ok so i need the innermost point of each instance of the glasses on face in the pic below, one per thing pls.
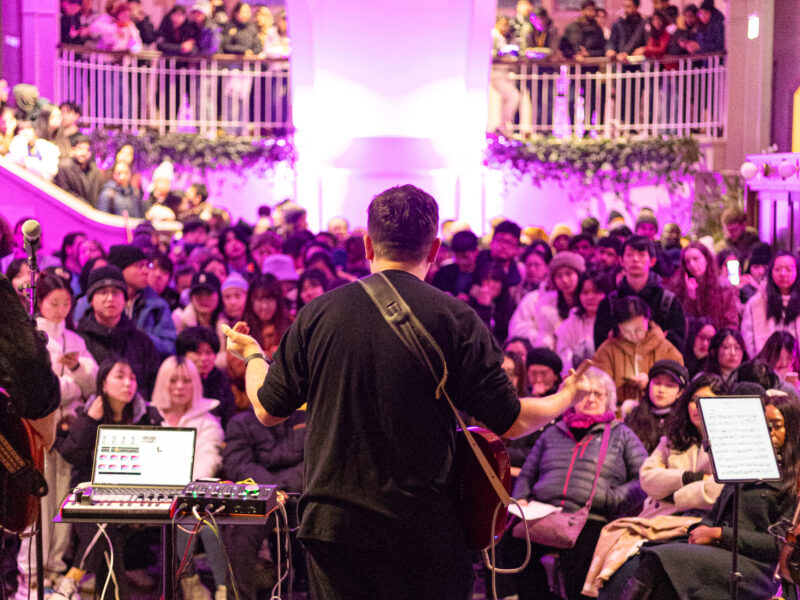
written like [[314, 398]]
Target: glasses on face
[[731, 348], [775, 424]]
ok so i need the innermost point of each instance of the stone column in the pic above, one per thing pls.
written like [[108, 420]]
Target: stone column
[[30, 37]]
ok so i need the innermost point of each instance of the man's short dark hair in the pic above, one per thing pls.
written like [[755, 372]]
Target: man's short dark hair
[[81, 139], [193, 223], [587, 3], [464, 241], [189, 340], [690, 8], [640, 244], [72, 106], [402, 222], [580, 237], [508, 227], [201, 190], [612, 242], [162, 261]]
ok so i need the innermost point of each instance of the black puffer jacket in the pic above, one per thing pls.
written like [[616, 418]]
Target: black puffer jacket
[[560, 470], [237, 38], [272, 455], [126, 341]]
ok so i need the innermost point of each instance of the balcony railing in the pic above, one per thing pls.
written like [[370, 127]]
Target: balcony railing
[[673, 95], [237, 94]]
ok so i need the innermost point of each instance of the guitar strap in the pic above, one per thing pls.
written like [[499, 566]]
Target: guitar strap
[[421, 344]]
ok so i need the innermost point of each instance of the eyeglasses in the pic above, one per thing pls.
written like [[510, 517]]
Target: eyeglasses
[[735, 348]]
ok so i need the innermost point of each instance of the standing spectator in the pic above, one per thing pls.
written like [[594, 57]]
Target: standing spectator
[[68, 255], [638, 257], [583, 38], [685, 37], [78, 174], [697, 285], [583, 244], [147, 31], [520, 25], [458, 277], [118, 195], [501, 76], [72, 30], [205, 33], [241, 34], [539, 313], [115, 31], [161, 192], [776, 307], [37, 155], [109, 332], [575, 335], [627, 34], [635, 346], [710, 35], [8, 128]]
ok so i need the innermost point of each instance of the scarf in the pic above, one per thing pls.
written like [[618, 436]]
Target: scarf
[[575, 420]]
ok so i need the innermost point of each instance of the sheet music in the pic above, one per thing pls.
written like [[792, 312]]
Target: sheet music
[[741, 449]]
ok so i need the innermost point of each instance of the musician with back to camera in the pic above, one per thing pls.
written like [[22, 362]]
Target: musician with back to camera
[[376, 519]]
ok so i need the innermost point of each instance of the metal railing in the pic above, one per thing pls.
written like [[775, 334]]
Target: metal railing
[[236, 94], [674, 95]]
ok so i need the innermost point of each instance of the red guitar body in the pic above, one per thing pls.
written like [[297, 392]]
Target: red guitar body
[[474, 495], [21, 507]]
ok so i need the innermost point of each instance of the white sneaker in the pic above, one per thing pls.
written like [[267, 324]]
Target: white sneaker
[[221, 593], [193, 589], [67, 589]]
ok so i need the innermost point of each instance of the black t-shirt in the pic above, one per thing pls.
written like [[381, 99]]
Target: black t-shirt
[[379, 444]]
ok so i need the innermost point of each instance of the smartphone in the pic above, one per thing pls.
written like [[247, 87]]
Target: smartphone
[[733, 272]]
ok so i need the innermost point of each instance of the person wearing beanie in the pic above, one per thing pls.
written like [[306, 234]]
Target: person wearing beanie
[[234, 298], [206, 34], [591, 226], [647, 224], [149, 312], [615, 219], [544, 371], [668, 379], [540, 312], [503, 249], [560, 236], [108, 332], [457, 278], [638, 258], [204, 304]]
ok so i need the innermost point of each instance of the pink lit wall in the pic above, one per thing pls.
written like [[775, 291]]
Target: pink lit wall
[[388, 93]]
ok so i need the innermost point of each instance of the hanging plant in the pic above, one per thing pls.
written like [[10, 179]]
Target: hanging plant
[[191, 151], [608, 164]]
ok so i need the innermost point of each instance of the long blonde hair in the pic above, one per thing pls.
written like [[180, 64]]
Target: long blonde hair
[[160, 398]]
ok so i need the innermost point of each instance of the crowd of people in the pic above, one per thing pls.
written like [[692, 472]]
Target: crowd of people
[[136, 336], [668, 32]]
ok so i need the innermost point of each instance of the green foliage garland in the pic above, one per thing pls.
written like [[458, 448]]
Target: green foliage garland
[[611, 164], [190, 151]]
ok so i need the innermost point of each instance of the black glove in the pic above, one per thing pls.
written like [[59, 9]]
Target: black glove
[[691, 477]]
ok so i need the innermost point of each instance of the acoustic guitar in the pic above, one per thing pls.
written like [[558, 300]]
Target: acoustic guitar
[[474, 496], [21, 466]]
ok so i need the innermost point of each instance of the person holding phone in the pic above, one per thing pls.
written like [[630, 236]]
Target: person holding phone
[[697, 285], [782, 354]]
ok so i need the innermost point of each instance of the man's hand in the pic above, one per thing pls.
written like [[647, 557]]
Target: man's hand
[[577, 382], [705, 535], [240, 344]]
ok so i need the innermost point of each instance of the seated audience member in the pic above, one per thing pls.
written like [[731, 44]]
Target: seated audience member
[[72, 30], [726, 353], [514, 368], [79, 174], [638, 258], [204, 304], [161, 193], [635, 345], [126, 155], [679, 482], [201, 346], [159, 277], [8, 128], [147, 31], [193, 204], [648, 417], [312, 284], [117, 401], [214, 265], [608, 252], [70, 115], [48, 127], [647, 227], [697, 285], [775, 307], [115, 31], [583, 244], [535, 260], [584, 38], [699, 567], [234, 298], [36, 154], [70, 263], [781, 353], [737, 235], [492, 301], [755, 271], [18, 250], [503, 248], [457, 278], [233, 245], [339, 227], [263, 245], [89, 249], [700, 332], [270, 455], [356, 263], [560, 470], [179, 400], [149, 312], [519, 346], [540, 312], [109, 332], [575, 334], [119, 196], [19, 274], [282, 268]]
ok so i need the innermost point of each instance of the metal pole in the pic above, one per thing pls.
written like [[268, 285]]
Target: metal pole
[[735, 575]]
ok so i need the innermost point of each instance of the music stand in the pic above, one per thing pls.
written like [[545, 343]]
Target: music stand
[[736, 437]]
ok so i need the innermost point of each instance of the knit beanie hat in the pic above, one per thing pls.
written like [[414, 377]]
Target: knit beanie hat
[[235, 280], [761, 254], [546, 357], [124, 255], [672, 368], [647, 216], [559, 230], [108, 276], [573, 260]]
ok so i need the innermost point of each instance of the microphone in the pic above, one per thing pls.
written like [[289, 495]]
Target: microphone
[[32, 233]]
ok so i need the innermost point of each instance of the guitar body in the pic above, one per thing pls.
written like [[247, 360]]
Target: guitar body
[[20, 507], [474, 496]]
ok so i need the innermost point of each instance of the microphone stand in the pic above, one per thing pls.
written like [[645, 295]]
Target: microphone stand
[[33, 267]]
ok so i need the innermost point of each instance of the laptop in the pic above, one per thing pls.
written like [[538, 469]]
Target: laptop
[[143, 458]]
